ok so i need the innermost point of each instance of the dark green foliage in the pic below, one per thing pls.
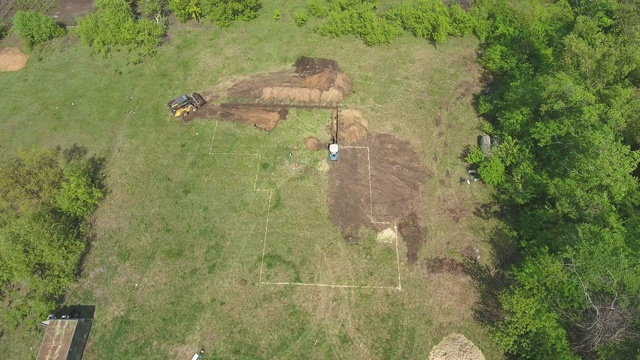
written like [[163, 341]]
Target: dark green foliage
[[4, 28], [45, 198], [491, 171], [35, 28], [113, 27], [428, 19], [475, 156], [562, 101]]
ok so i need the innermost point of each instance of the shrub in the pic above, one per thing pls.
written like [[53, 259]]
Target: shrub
[[475, 156], [361, 21], [491, 171], [151, 8], [186, 10], [318, 8], [461, 21], [301, 18], [428, 19], [276, 15], [113, 26], [225, 12], [35, 28]]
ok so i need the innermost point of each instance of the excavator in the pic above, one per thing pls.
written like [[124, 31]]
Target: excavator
[[333, 146], [185, 104]]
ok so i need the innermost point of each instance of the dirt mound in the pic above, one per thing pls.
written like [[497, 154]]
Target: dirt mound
[[261, 116], [312, 143], [352, 126], [263, 100], [388, 236], [456, 347], [413, 235], [310, 66], [385, 189], [12, 59], [330, 79], [319, 83]]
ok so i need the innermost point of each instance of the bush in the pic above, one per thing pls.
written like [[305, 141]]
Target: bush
[[45, 199], [428, 19], [4, 28], [475, 156], [461, 21], [225, 12], [113, 26], [301, 19], [186, 10], [276, 15], [491, 171], [361, 21], [35, 28]]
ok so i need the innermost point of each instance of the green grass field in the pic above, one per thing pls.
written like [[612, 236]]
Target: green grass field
[[180, 247]]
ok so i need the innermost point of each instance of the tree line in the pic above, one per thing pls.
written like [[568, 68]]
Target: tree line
[[562, 101], [46, 198]]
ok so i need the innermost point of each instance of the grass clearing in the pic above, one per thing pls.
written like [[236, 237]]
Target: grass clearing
[[187, 227]]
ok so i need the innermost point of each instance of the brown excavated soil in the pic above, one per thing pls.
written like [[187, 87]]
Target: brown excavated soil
[[456, 347], [413, 236], [312, 143], [352, 126], [263, 100], [263, 117], [397, 177], [12, 59]]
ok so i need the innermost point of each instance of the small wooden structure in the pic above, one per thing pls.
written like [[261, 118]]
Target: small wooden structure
[[64, 339]]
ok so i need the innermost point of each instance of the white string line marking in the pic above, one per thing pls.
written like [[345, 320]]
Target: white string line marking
[[266, 228], [371, 209]]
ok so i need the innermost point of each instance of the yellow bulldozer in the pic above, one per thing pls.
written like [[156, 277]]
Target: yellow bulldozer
[[185, 104]]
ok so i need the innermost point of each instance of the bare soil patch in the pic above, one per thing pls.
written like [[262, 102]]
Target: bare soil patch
[[263, 100], [12, 59], [384, 190], [413, 236], [456, 347], [263, 117], [312, 143]]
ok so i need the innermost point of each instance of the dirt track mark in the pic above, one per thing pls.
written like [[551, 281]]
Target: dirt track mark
[[413, 236]]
